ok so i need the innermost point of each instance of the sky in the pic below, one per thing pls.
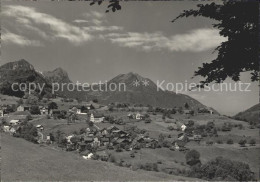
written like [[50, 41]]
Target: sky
[[94, 46]]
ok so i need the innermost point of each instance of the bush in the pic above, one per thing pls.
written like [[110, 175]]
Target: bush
[[242, 143], [192, 157], [27, 131], [230, 141], [209, 142], [35, 110], [252, 142], [221, 169], [219, 141]]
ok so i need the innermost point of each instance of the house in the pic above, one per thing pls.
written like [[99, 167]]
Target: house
[[6, 128], [138, 116], [23, 108], [40, 127], [55, 112], [110, 129], [89, 106], [119, 133], [95, 118], [1, 112], [104, 141], [78, 109], [68, 138], [181, 126], [14, 129], [43, 110], [187, 111], [14, 122]]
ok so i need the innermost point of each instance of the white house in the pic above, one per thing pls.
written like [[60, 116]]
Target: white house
[[1, 113], [183, 127], [96, 118], [6, 128], [23, 108], [138, 116], [14, 122]]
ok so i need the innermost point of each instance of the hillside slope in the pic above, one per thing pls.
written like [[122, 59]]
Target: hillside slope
[[249, 115], [24, 161]]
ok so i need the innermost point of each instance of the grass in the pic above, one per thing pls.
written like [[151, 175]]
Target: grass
[[24, 161]]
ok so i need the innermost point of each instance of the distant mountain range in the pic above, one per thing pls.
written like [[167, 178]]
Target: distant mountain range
[[145, 92], [249, 115]]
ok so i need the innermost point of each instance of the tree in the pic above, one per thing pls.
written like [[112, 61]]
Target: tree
[[186, 105], [221, 169], [252, 142], [230, 141], [95, 100], [192, 157], [20, 101], [52, 105], [237, 20], [242, 143], [35, 110]]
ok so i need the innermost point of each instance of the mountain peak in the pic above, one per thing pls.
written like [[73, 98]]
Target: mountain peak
[[58, 75], [20, 64]]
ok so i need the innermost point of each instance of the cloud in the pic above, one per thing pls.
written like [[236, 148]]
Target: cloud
[[57, 28], [195, 40], [94, 14], [102, 28], [80, 21], [11, 38]]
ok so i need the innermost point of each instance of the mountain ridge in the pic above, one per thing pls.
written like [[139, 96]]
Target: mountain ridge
[[145, 92]]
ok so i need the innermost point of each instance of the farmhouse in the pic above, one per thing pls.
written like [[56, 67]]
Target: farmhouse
[[96, 118], [13, 129], [14, 122], [187, 111], [79, 109], [112, 128], [39, 127], [43, 110], [181, 126], [23, 108]]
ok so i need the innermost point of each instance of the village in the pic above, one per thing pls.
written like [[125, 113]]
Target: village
[[122, 133]]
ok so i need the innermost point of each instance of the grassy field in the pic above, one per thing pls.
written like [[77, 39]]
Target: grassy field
[[24, 161]]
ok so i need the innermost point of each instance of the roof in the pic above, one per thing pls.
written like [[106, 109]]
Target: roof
[[112, 127], [14, 121]]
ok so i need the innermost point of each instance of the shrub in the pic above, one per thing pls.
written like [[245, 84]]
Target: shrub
[[252, 142], [192, 157], [242, 143], [35, 110], [230, 141], [219, 141], [209, 142], [221, 169]]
